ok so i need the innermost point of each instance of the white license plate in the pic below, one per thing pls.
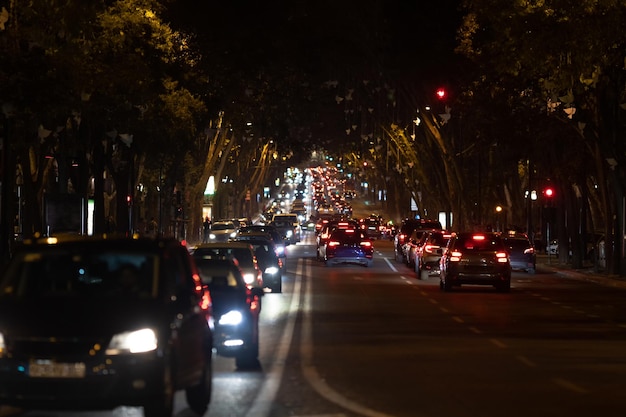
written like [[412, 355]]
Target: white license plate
[[50, 369]]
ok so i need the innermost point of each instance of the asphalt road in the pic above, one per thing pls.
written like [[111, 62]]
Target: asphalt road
[[348, 341]]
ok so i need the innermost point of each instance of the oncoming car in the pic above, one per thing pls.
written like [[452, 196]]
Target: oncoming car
[[95, 323], [475, 258]]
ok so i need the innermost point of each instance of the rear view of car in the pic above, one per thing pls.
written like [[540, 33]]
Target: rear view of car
[[95, 323], [475, 258], [521, 253], [236, 309], [349, 246]]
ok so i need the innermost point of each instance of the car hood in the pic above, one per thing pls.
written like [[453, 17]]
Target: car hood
[[78, 317]]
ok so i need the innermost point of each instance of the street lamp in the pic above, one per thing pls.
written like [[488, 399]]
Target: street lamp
[[498, 214]]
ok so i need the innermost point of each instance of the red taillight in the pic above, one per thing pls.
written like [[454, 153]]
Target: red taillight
[[455, 256], [529, 251], [502, 257], [333, 243], [366, 244]]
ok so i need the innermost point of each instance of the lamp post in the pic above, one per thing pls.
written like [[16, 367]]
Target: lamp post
[[498, 215]]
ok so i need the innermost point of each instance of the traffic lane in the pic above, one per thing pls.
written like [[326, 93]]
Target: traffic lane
[[370, 329]]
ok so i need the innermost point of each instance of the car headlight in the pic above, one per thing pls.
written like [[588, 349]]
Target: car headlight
[[233, 235], [280, 250], [289, 233], [137, 341], [249, 278], [232, 318], [3, 346], [271, 270], [212, 236]]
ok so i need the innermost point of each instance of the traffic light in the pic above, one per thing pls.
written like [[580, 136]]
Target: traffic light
[[441, 93], [548, 192]]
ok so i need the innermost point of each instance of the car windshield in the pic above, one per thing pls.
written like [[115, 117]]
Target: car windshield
[[222, 226], [64, 273], [243, 255]]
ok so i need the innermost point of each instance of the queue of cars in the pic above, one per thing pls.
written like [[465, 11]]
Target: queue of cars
[[478, 258]]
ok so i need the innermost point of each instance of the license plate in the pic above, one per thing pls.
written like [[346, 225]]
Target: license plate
[[50, 369]]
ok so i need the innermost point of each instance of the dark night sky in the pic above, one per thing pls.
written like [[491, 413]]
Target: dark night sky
[[406, 36]]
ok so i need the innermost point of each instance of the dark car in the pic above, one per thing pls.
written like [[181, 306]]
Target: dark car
[[349, 246], [475, 258], [243, 252], [236, 309], [429, 253], [373, 226], [96, 323], [279, 242], [324, 234], [521, 253], [269, 263], [406, 228]]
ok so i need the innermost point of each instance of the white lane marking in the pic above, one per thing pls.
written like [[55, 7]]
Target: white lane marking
[[310, 372], [264, 399], [391, 266]]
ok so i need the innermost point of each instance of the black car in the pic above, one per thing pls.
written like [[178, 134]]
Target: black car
[[277, 238], [475, 258], [269, 263], [521, 253], [406, 228], [97, 323], [349, 246], [236, 308]]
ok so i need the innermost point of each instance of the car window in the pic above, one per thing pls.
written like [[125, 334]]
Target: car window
[[471, 244], [60, 272]]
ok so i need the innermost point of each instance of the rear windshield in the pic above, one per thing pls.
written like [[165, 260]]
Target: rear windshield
[[470, 243], [59, 272]]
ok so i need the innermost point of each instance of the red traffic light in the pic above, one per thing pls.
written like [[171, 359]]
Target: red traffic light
[[441, 93], [548, 192]]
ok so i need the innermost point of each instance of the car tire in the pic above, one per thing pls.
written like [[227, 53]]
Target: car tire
[[199, 396], [423, 274], [163, 406], [278, 286], [249, 359], [369, 263], [531, 271], [445, 285]]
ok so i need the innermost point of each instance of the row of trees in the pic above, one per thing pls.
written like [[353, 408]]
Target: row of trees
[[117, 99], [538, 100], [120, 101]]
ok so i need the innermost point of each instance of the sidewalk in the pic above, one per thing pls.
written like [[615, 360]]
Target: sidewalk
[[585, 274]]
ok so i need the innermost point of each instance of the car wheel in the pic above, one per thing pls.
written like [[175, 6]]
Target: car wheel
[[445, 285], [531, 271], [249, 359], [164, 405], [369, 263], [199, 396], [278, 286], [423, 275]]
